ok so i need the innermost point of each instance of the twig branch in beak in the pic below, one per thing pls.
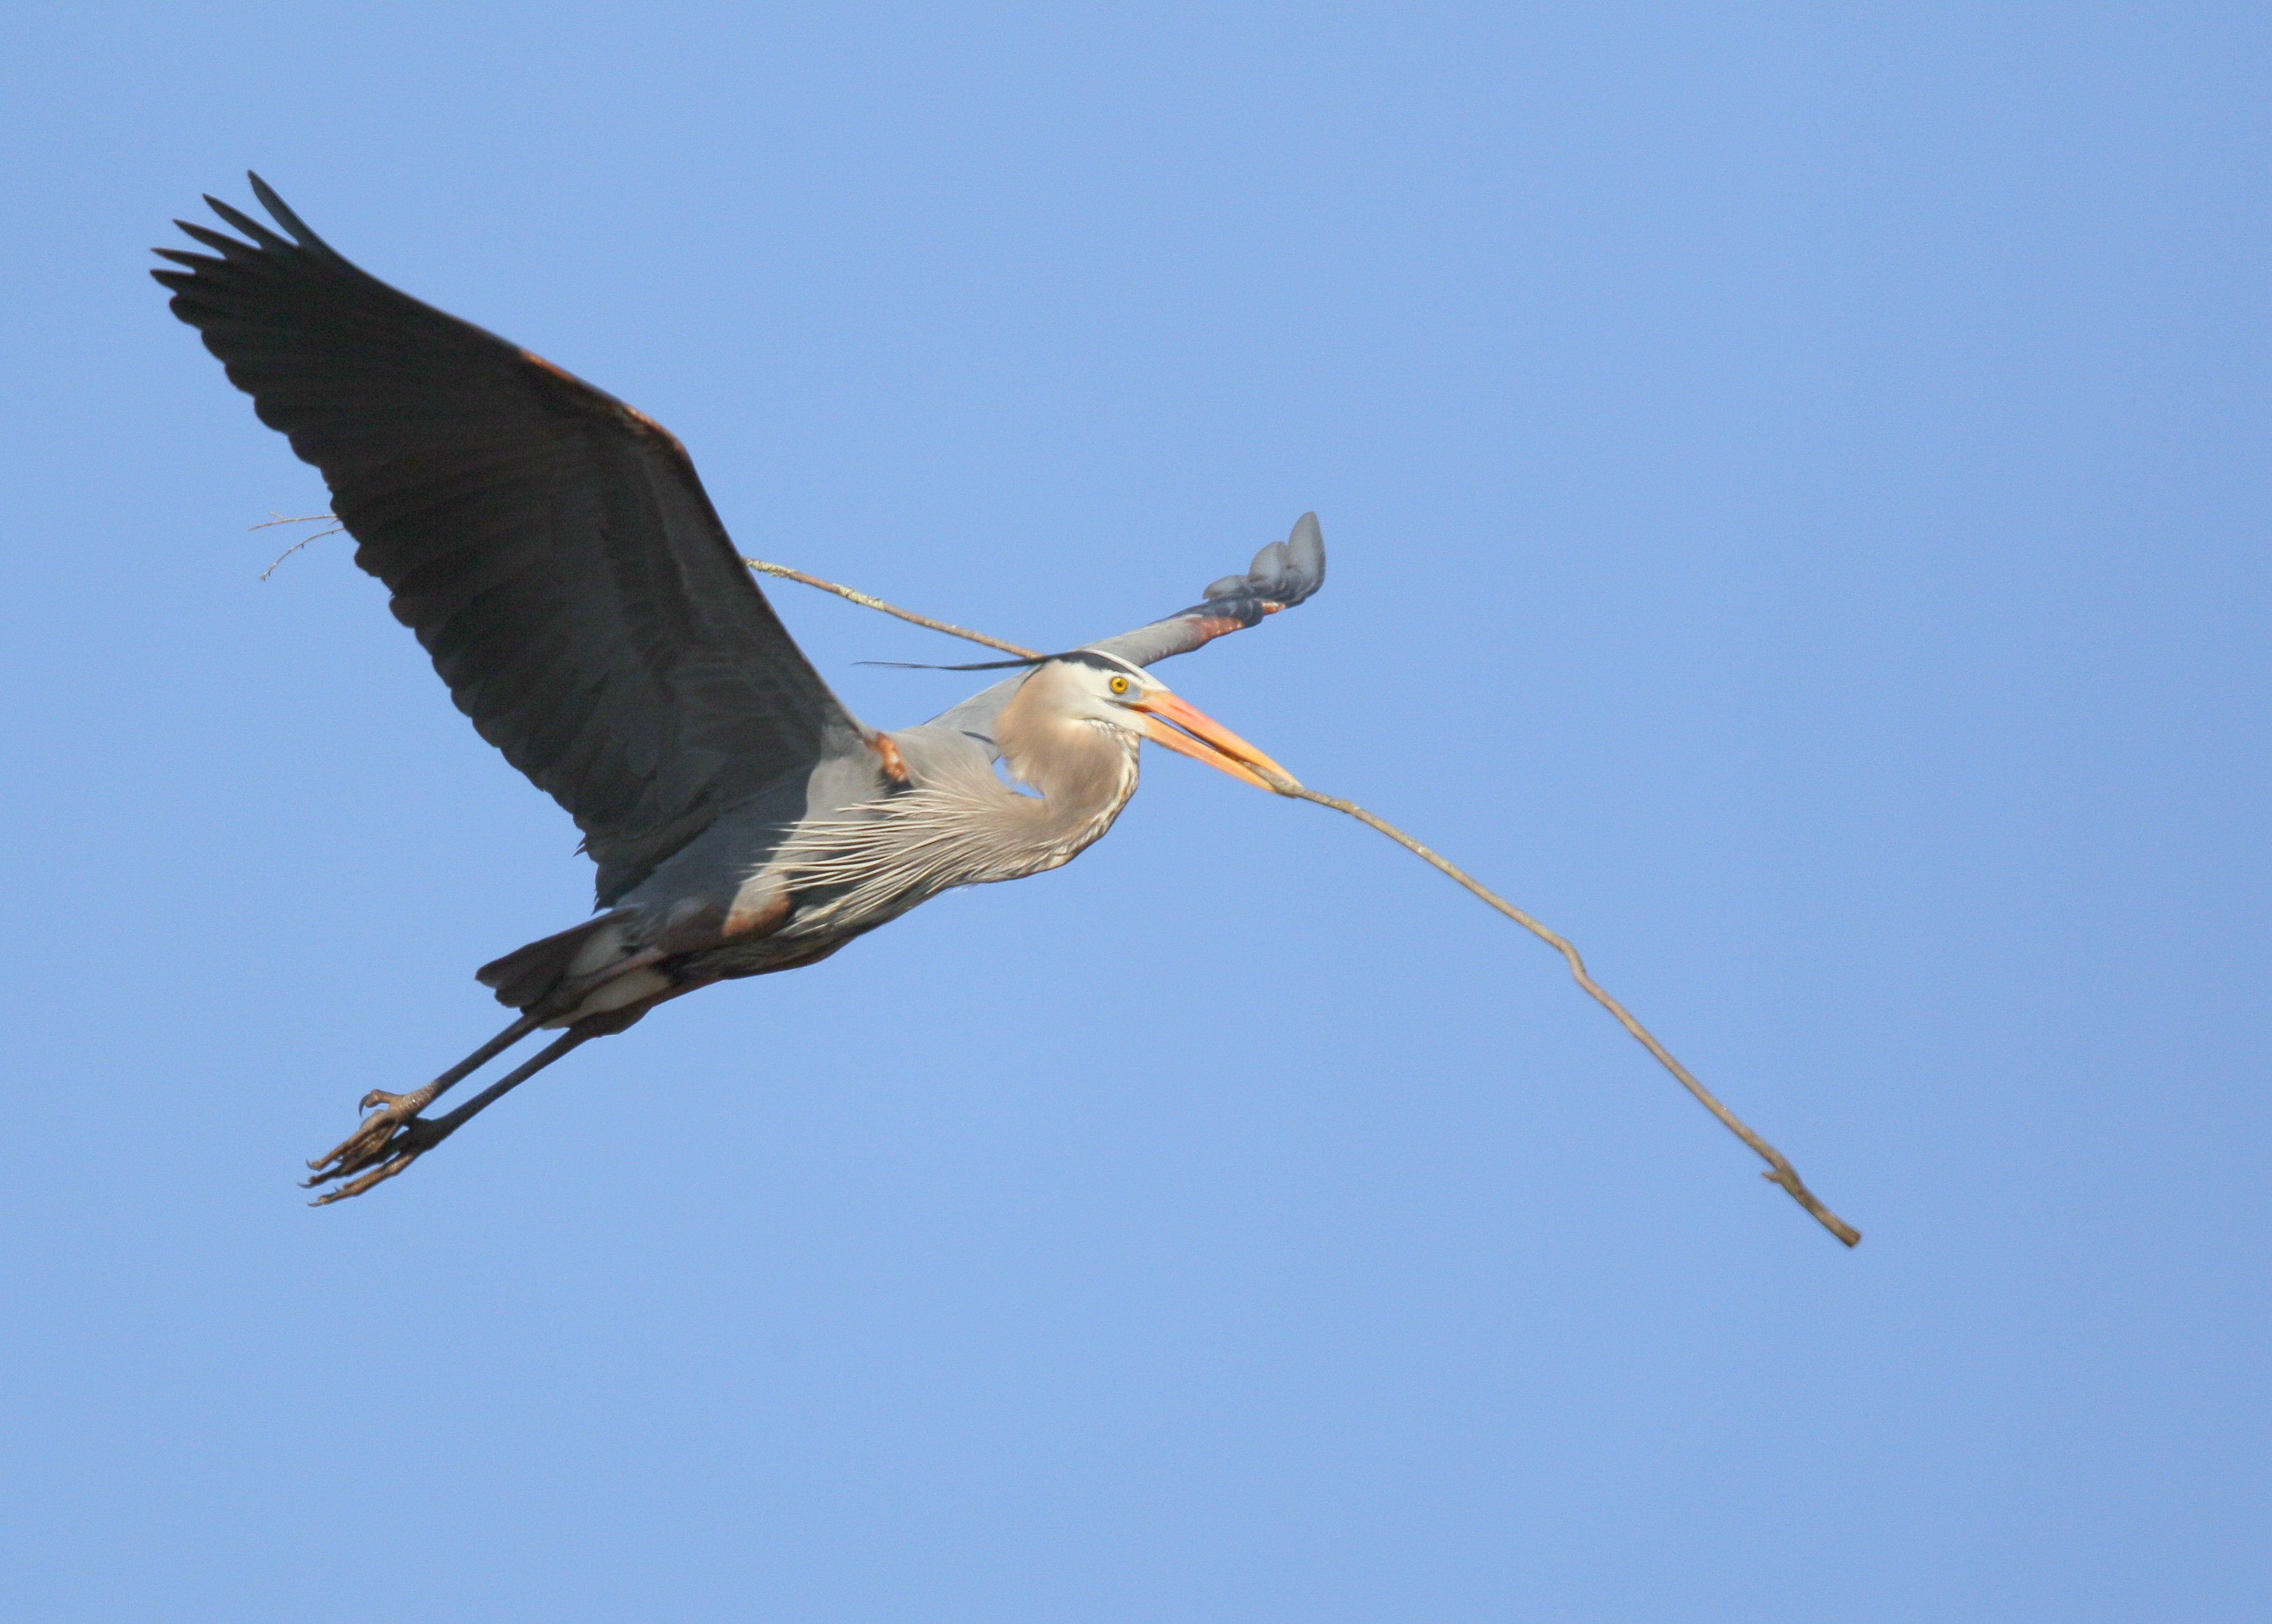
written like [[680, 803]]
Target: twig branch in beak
[[1168, 720]]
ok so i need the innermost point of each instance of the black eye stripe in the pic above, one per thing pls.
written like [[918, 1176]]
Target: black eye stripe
[[1093, 659]]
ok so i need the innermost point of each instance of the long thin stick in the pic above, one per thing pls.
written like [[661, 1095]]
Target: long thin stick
[[866, 602], [1779, 1168]]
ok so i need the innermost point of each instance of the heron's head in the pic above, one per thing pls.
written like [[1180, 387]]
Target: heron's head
[[1107, 692]]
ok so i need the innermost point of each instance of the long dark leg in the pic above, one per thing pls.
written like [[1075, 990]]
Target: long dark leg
[[390, 1139], [397, 1110], [374, 1138], [410, 1139]]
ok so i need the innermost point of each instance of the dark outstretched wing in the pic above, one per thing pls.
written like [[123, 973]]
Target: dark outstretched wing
[[1283, 575], [552, 546]]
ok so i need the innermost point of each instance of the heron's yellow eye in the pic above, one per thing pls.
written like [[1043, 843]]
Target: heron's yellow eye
[[1118, 685]]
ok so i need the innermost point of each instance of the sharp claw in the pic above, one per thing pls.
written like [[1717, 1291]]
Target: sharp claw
[[379, 1138], [386, 1170], [416, 1100], [383, 1145], [392, 1135], [348, 1165], [356, 1149]]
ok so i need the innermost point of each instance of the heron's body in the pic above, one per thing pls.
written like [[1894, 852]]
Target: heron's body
[[554, 551], [776, 884]]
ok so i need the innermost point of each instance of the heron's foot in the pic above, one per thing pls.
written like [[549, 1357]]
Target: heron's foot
[[385, 1143]]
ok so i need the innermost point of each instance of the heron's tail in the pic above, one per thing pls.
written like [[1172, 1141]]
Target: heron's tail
[[523, 977]]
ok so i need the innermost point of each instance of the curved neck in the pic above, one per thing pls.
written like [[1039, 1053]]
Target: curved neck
[[1084, 773], [958, 825]]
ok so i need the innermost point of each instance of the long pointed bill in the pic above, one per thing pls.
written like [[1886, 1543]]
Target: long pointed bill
[[1204, 739]]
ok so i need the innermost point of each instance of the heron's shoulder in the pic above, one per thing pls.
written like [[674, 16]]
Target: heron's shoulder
[[958, 735], [975, 718], [936, 753]]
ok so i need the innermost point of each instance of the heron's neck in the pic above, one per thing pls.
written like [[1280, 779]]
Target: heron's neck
[[1082, 774], [958, 825]]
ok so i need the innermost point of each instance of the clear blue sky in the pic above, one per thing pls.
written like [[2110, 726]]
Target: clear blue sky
[[1796, 479]]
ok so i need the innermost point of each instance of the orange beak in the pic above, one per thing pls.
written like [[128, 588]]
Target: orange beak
[[1204, 739]]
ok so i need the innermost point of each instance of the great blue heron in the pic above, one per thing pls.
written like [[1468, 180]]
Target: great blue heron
[[556, 555]]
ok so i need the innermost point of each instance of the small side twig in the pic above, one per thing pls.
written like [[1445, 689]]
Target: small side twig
[[1780, 1172], [275, 518]]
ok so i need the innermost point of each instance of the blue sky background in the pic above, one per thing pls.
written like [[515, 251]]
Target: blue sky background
[[1796, 479]]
